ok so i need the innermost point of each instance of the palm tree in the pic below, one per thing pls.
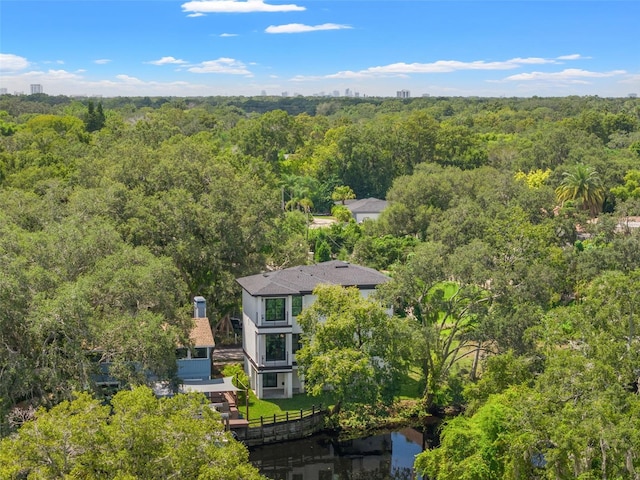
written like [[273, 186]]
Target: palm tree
[[299, 189], [583, 185], [342, 193]]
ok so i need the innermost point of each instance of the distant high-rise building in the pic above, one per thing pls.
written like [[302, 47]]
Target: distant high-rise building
[[36, 88], [347, 92], [3, 91], [403, 94], [285, 94], [263, 93], [633, 95], [336, 93]]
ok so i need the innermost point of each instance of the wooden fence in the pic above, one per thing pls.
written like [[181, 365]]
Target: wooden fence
[[281, 428]]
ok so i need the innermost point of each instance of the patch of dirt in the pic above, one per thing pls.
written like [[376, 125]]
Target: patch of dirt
[[322, 222]]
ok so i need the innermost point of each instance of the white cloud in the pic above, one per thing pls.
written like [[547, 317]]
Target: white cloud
[[633, 79], [167, 61], [301, 28], [224, 35], [51, 74], [569, 75], [12, 63], [221, 65], [61, 74], [237, 6], [61, 82], [446, 66], [573, 56], [195, 15], [130, 80], [402, 69], [531, 61], [102, 61]]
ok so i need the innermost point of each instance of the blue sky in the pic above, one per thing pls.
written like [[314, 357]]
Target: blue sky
[[311, 47]]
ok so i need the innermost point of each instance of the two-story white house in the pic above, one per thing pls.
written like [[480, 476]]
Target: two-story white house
[[271, 301]]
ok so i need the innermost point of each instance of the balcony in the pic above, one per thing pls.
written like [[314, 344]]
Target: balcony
[[274, 323], [275, 313], [275, 361]]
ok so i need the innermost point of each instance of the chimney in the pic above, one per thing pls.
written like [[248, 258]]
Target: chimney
[[199, 307]]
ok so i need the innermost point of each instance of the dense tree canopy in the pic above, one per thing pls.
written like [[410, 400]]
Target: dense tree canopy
[[510, 233], [142, 437]]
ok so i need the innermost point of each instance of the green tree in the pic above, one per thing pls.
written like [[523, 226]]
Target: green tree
[[382, 252], [270, 137], [351, 345], [583, 185], [299, 191], [287, 241], [631, 187], [129, 311], [322, 251], [534, 179], [240, 379], [95, 118], [418, 198], [342, 193], [471, 448], [572, 415], [342, 213], [144, 438], [575, 421], [414, 141], [447, 315]]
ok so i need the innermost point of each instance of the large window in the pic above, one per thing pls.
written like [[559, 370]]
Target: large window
[[182, 353], [276, 347], [296, 344], [275, 311], [296, 305], [199, 353], [270, 380]]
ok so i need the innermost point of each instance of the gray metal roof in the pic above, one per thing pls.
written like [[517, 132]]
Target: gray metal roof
[[304, 278]]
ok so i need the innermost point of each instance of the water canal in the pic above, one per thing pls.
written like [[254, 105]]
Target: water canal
[[387, 456]]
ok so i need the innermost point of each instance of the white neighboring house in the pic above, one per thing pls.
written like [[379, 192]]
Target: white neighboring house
[[271, 301], [366, 208]]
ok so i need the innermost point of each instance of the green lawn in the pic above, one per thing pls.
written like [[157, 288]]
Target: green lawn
[[411, 389], [412, 386], [267, 408]]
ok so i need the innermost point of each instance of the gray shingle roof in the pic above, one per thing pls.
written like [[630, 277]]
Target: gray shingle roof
[[303, 279], [366, 205]]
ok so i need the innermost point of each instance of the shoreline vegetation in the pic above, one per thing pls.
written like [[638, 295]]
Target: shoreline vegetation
[[360, 421]]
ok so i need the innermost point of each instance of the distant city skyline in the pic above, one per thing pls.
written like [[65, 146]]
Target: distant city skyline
[[320, 47]]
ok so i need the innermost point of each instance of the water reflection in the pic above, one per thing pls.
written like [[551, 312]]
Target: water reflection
[[381, 457]]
